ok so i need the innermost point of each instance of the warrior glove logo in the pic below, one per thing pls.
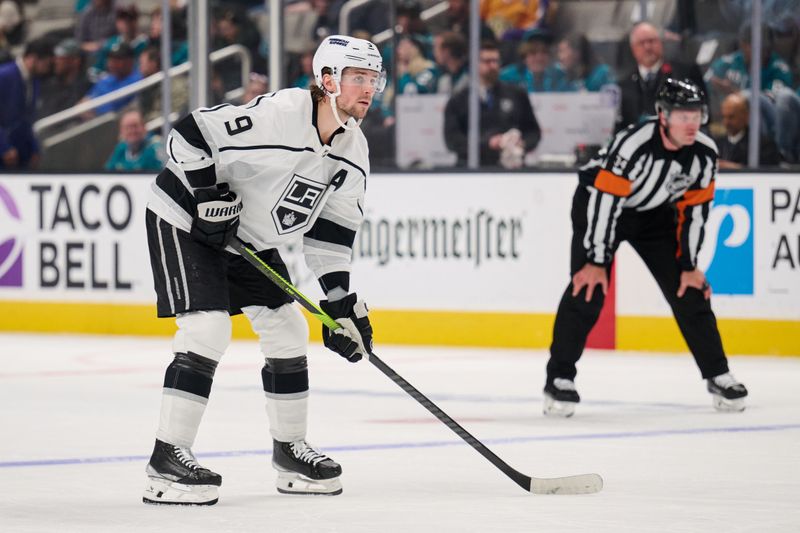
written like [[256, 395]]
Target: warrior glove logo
[[297, 204], [219, 210]]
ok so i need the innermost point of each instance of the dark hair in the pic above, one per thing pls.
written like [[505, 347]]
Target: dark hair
[[153, 53], [415, 42], [317, 92], [488, 44], [455, 43], [587, 59], [39, 47]]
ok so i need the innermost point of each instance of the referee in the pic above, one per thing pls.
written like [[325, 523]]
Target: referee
[[651, 186]]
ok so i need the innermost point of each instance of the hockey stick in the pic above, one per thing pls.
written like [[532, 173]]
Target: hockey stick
[[580, 484]]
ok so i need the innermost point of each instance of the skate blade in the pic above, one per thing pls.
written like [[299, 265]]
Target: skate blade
[[160, 491], [294, 483], [555, 408], [725, 405]]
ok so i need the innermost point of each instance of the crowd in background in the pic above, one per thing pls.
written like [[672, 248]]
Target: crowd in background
[[113, 44]]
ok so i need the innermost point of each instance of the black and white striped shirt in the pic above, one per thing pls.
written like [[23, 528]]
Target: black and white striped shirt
[[635, 171]]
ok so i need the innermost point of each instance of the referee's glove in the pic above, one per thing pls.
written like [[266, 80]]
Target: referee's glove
[[353, 340], [217, 217]]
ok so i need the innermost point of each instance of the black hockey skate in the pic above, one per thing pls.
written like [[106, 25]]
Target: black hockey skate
[[304, 470], [560, 398], [728, 394], [174, 477]]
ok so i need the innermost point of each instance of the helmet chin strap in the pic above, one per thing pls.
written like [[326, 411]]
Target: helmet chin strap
[[335, 109]]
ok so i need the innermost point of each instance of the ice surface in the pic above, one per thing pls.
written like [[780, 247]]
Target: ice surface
[[79, 415]]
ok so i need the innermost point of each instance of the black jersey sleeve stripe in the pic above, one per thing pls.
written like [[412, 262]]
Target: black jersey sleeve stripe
[[168, 182], [331, 280], [343, 160], [327, 231], [189, 130], [203, 177], [267, 147]]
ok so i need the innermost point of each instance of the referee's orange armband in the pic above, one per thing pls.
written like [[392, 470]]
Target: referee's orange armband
[[612, 184]]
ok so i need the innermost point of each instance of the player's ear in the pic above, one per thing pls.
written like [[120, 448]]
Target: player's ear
[[328, 83]]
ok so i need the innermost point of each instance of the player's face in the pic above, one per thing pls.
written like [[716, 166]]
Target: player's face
[[358, 87], [684, 125]]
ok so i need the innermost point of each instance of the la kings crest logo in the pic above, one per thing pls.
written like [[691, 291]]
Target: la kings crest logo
[[296, 205]]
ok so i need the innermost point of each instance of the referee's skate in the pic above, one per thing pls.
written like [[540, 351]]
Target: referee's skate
[[728, 394], [560, 398]]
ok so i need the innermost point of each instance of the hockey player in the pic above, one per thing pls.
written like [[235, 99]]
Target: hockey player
[[651, 186], [287, 164]]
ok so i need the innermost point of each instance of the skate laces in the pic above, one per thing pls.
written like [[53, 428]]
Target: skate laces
[[186, 458], [564, 384], [303, 451]]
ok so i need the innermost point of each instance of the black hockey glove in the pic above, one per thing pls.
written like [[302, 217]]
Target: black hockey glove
[[354, 339], [217, 217]]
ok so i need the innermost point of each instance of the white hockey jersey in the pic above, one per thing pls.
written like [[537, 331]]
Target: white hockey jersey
[[270, 153]]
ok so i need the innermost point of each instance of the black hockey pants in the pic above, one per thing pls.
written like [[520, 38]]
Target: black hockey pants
[[652, 234]]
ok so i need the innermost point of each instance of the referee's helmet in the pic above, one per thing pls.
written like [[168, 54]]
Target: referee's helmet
[[681, 94]]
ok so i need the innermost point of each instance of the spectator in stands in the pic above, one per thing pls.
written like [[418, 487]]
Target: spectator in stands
[[149, 99], [69, 83], [578, 60], [178, 33], [121, 73], [135, 150], [409, 21], [326, 19], [257, 84], [417, 75], [19, 95], [233, 26], [733, 147], [95, 25], [457, 19], [450, 53], [306, 76], [537, 72], [127, 26], [638, 87], [508, 127], [731, 73], [371, 17], [787, 124], [778, 105], [12, 27]]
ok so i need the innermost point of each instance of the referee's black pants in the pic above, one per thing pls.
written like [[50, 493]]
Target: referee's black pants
[[652, 234]]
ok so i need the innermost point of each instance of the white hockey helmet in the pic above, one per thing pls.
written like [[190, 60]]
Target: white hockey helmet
[[338, 52]]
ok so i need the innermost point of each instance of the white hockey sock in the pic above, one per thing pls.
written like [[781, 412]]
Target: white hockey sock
[[181, 413], [288, 419]]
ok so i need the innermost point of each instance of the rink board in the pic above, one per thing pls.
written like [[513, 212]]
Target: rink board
[[459, 259]]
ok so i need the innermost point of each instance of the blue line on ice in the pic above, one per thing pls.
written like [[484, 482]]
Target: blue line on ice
[[430, 444]]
